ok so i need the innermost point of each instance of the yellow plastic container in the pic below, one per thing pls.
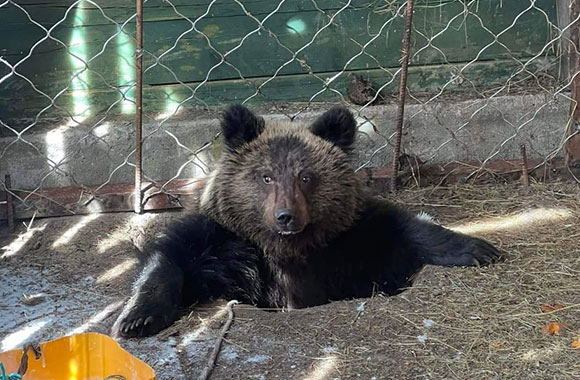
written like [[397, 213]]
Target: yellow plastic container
[[89, 356]]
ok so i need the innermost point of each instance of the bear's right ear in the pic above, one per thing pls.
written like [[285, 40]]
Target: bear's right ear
[[336, 125], [240, 126]]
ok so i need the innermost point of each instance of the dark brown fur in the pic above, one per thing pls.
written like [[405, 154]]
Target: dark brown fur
[[235, 199], [284, 222]]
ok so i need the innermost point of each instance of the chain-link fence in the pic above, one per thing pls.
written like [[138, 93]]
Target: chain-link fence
[[486, 80]]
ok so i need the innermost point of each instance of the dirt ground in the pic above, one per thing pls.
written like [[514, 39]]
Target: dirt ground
[[65, 275]]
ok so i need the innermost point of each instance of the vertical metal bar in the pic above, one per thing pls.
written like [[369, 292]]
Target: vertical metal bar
[[139, 111], [402, 93], [563, 14], [572, 148], [525, 177], [9, 203]]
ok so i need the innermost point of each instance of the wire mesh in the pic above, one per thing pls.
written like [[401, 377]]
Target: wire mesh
[[485, 77], [52, 134]]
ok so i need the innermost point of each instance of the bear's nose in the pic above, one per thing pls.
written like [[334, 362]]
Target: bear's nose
[[284, 217]]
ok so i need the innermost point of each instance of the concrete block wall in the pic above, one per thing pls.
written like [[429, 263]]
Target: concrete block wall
[[439, 132]]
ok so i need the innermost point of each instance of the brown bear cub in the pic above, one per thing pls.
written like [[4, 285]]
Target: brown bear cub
[[283, 222]]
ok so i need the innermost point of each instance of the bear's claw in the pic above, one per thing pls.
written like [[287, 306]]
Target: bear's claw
[[142, 321], [485, 253]]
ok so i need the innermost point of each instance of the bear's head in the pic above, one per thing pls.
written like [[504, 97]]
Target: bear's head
[[284, 185]]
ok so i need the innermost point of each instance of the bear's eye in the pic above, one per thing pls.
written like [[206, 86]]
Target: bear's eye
[[267, 179], [305, 178]]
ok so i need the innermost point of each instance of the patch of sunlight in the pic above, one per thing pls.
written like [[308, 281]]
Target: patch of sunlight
[[365, 126], [95, 207], [203, 327], [71, 232], [123, 233], [199, 169], [18, 338], [126, 56], [296, 25], [78, 58], [142, 220], [16, 245], [117, 270], [97, 318], [102, 129], [172, 107], [55, 145], [521, 220], [323, 368], [540, 354], [55, 149]]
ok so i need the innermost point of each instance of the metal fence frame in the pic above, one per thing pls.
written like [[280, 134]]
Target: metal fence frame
[[143, 191]]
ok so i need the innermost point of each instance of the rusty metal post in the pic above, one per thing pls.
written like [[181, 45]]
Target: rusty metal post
[[139, 111], [525, 176], [572, 148], [563, 15], [402, 93], [9, 203]]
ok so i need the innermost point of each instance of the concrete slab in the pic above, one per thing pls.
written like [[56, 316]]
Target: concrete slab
[[60, 153]]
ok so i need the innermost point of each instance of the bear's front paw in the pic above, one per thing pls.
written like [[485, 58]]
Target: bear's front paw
[[140, 320], [483, 253]]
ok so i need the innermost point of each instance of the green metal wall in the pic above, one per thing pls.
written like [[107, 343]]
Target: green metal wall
[[494, 35]]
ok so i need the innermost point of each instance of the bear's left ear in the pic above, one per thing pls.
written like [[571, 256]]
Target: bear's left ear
[[336, 125], [240, 126]]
